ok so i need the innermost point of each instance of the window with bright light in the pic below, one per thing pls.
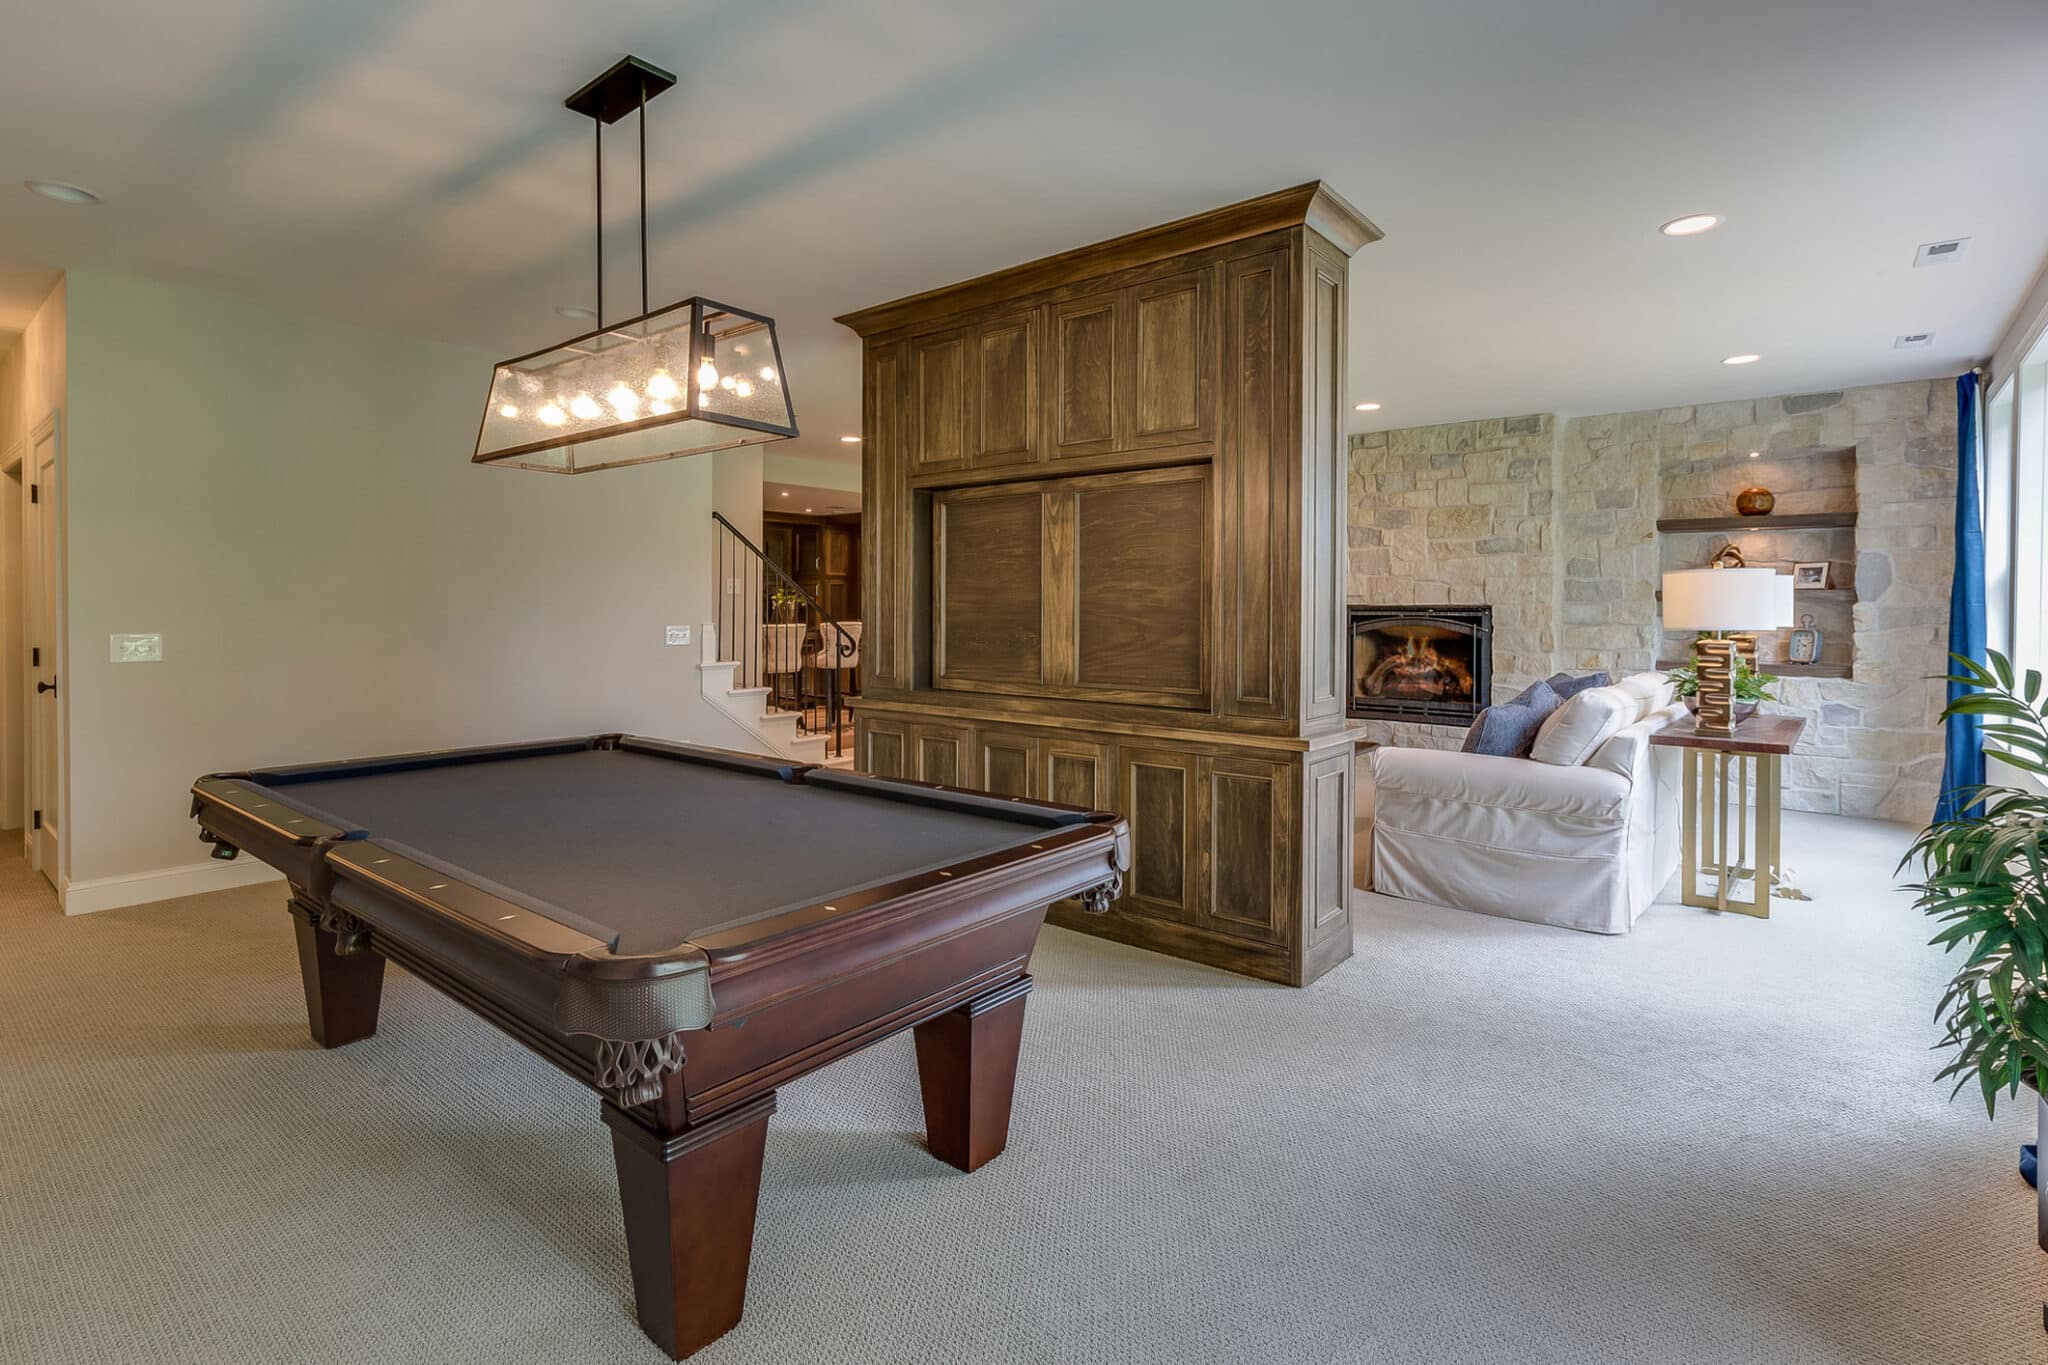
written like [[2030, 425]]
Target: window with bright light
[[2029, 509], [1997, 509]]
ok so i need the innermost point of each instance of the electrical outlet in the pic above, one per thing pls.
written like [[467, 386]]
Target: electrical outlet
[[677, 635], [135, 649]]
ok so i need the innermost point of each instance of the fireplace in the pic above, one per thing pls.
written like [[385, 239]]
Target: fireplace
[[1432, 664]]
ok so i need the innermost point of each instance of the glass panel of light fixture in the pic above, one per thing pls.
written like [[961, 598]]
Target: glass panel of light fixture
[[739, 372]]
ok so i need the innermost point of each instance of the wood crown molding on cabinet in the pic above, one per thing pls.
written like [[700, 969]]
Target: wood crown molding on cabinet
[[1314, 204]]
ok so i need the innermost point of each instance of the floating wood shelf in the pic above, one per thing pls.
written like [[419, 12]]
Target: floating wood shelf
[[1780, 670], [1807, 594], [1796, 521]]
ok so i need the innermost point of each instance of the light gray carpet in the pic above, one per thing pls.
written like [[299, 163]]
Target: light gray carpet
[[1714, 1140]]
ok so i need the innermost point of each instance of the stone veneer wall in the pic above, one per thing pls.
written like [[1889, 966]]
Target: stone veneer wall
[[1553, 521]]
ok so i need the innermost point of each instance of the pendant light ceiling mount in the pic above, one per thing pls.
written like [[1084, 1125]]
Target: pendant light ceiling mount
[[685, 379]]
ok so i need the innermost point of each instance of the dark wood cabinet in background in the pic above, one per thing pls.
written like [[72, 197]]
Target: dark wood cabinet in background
[[1103, 561]]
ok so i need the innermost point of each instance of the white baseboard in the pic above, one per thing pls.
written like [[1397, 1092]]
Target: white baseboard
[[168, 883]]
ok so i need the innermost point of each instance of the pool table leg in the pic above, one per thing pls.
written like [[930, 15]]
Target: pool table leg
[[967, 1068], [342, 990], [689, 1199]]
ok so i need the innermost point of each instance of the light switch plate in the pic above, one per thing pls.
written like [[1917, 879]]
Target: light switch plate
[[677, 635], [135, 649]]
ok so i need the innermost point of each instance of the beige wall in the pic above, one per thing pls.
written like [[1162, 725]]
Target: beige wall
[[290, 502]]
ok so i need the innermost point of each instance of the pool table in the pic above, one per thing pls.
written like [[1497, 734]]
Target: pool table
[[682, 930]]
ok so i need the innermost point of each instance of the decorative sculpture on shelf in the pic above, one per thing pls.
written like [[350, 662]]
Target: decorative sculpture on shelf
[[1755, 502]]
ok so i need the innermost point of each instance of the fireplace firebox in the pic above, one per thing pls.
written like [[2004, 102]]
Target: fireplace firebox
[[1431, 664]]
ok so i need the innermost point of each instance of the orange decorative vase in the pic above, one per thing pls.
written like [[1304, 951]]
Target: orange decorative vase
[[1755, 502]]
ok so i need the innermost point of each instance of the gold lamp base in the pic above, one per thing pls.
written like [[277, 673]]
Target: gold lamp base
[[1714, 660]]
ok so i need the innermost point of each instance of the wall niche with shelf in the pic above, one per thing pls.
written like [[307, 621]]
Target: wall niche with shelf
[[1813, 521]]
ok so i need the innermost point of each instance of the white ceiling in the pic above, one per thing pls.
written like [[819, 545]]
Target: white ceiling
[[407, 163], [806, 498]]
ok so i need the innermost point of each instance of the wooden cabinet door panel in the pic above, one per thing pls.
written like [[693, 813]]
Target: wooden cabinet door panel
[[940, 752], [1076, 773], [1247, 839], [1007, 406], [940, 402], [987, 617], [1007, 764], [887, 537], [1141, 586], [1086, 381], [1159, 791], [882, 748], [1172, 362]]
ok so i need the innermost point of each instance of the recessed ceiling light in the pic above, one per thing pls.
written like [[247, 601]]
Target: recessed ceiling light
[[785, 492], [1368, 407], [1743, 359], [1940, 253], [575, 312], [807, 509], [1691, 225], [1756, 454], [850, 440], [61, 191], [1913, 341]]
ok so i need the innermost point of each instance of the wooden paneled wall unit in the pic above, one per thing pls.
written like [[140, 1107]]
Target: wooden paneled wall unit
[[1103, 563]]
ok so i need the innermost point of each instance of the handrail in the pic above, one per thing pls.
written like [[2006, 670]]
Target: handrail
[[846, 645]]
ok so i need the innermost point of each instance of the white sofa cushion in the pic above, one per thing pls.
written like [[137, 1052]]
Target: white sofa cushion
[[1652, 691], [1586, 721]]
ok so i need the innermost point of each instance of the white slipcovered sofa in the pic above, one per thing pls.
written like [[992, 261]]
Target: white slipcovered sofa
[[1586, 847]]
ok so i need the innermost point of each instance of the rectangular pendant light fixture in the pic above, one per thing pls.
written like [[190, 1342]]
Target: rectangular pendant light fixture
[[693, 377]]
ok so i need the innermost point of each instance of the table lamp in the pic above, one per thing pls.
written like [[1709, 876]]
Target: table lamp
[[1718, 603]]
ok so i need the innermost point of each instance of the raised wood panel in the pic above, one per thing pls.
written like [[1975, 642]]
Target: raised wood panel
[[1173, 349], [939, 406], [1246, 842], [988, 591], [883, 747], [1007, 764], [1257, 522], [840, 544], [1158, 792], [940, 752], [1140, 584], [1327, 833], [1076, 773], [1087, 382], [1007, 404], [1324, 480], [887, 540]]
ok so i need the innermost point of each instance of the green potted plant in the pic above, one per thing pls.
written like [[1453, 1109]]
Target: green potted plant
[[1985, 880], [1751, 687]]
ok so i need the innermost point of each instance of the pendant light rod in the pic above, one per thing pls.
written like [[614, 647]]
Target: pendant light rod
[[598, 158], [643, 198]]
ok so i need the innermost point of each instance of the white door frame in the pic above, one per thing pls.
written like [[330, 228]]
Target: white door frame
[[48, 849]]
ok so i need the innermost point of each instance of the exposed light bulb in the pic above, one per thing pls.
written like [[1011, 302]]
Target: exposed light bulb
[[584, 406], [743, 388], [660, 385], [768, 374], [707, 374], [658, 408], [726, 383], [624, 401], [509, 410], [551, 416]]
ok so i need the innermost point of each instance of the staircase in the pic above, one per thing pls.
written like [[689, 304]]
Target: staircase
[[774, 730], [781, 682]]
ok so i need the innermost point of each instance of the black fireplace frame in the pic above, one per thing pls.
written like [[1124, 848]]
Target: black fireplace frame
[[1473, 619]]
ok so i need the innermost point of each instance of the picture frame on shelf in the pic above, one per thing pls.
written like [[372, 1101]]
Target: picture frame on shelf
[[1816, 575]]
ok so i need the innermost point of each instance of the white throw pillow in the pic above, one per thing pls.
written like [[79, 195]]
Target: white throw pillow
[[1586, 721], [1652, 691]]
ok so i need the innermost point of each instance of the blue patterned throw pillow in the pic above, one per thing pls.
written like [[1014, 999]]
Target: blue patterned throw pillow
[[1508, 731], [1565, 685]]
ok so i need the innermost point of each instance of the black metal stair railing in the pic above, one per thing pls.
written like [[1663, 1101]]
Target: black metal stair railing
[[781, 638]]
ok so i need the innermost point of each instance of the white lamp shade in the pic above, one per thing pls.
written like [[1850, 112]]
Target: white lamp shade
[[1727, 599]]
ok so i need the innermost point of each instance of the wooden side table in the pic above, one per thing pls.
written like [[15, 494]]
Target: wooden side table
[[1717, 767]]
